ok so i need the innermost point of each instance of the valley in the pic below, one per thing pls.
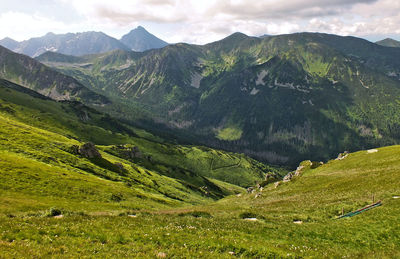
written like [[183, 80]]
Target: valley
[[285, 98], [138, 148]]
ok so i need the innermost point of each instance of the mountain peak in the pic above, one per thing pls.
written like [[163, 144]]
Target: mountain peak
[[389, 42], [9, 43], [140, 28], [8, 39], [139, 39]]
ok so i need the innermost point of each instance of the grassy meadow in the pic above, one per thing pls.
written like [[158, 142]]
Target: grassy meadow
[[182, 201]]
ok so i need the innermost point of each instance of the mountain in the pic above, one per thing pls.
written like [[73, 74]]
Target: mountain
[[280, 99], [9, 43], [140, 39], [388, 42], [32, 74], [75, 44]]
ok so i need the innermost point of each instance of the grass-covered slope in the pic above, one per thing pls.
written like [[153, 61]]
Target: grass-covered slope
[[39, 160], [297, 219], [30, 73]]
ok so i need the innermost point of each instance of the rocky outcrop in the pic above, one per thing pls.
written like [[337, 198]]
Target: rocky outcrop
[[343, 155], [134, 152], [300, 169], [89, 150]]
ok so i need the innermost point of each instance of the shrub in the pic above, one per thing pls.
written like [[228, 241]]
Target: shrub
[[54, 212], [117, 197]]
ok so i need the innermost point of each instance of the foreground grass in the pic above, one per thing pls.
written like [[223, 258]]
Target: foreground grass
[[160, 207], [218, 230]]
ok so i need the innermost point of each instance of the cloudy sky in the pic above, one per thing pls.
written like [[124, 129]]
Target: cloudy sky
[[201, 21]]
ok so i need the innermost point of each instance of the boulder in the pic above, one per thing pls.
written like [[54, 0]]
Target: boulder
[[89, 150], [288, 177], [343, 155], [250, 190], [134, 153]]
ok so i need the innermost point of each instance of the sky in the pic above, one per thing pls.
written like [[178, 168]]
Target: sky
[[201, 21]]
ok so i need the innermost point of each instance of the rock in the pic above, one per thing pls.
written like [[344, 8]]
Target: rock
[[277, 184], [251, 219], [372, 151], [231, 253], [298, 222], [298, 170], [89, 150], [250, 190], [257, 195], [58, 216], [161, 255], [342, 155], [135, 153], [288, 177]]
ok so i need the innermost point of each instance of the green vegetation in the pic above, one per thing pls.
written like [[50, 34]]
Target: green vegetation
[[229, 134], [295, 97], [296, 219], [40, 161], [138, 194]]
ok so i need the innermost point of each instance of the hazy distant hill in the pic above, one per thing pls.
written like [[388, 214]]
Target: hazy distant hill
[[388, 42], [140, 40], [76, 44], [9, 43]]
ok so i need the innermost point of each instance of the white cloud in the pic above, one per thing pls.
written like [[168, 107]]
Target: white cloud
[[17, 24], [203, 21]]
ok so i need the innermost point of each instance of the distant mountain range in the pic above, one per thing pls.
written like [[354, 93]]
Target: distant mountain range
[[78, 44], [388, 42], [280, 99]]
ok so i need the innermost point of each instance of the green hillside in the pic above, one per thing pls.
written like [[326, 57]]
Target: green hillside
[[41, 165], [295, 219], [25, 71], [280, 99]]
